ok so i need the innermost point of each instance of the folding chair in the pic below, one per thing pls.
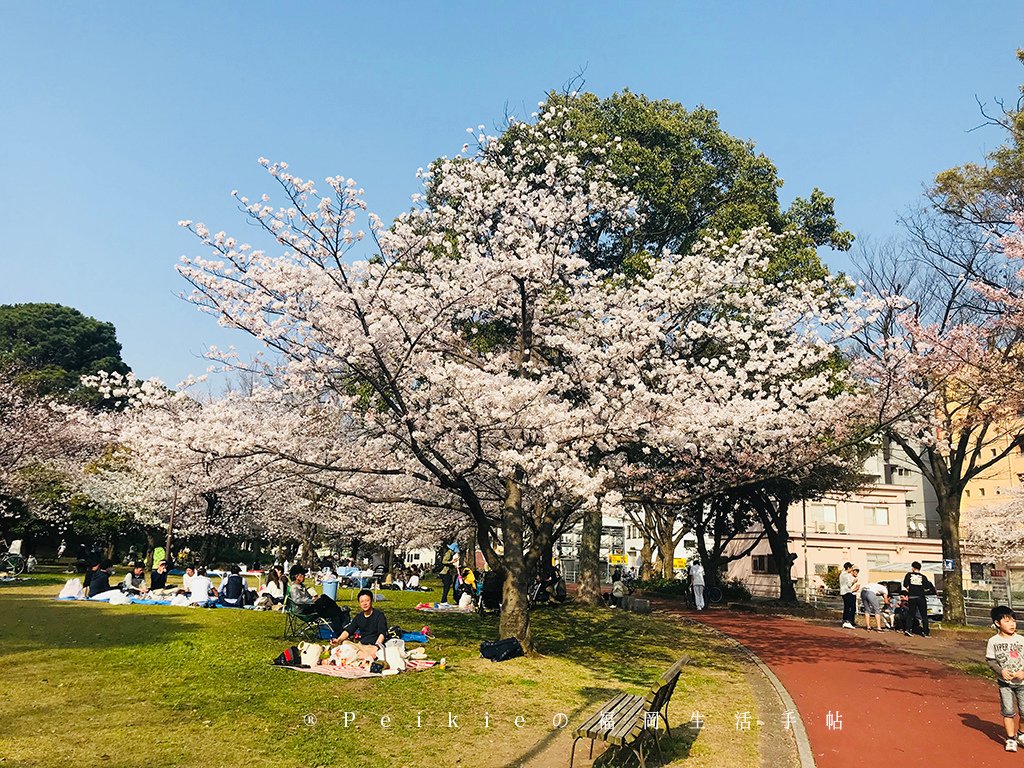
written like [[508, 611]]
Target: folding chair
[[301, 623]]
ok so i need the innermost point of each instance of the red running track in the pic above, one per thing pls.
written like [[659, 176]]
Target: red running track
[[897, 708]]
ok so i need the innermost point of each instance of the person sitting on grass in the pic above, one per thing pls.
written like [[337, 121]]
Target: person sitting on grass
[[186, 580], [414, 580], [92, 567], [201, 589], [1005, 656], [323, 606], [232, 589], [369, 626], [274, 588], [158, 578], [135, 580], [99, 582]]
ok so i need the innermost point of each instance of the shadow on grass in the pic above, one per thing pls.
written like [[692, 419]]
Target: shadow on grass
[[32, 624]]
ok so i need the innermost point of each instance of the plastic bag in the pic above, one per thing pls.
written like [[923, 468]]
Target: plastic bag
[[72, 588], [394, 654]]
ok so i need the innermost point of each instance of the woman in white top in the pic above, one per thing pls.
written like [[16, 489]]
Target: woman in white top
[[274, 588]]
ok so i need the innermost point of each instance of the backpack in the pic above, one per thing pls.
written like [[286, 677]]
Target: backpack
[[501, 650], [290, 657]]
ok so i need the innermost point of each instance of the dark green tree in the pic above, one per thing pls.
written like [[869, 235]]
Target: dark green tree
[[691, 179], [51, 346]]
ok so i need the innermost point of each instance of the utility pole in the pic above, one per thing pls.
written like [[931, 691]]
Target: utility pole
[[170, 524], [807, 578]]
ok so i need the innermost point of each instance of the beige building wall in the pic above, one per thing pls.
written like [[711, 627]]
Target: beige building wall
[[990, 488], [892, 520]]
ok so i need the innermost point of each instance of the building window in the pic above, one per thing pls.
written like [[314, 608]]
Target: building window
[[876, 516], [874, 560], [981, 491], [967, 492], [978, 571], [820, 569], [763, 564]]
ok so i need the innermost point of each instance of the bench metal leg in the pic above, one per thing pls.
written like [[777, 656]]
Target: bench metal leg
[[572, 755], [592, 748]]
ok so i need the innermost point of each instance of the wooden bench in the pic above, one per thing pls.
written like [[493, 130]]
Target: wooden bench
[[626, 720]]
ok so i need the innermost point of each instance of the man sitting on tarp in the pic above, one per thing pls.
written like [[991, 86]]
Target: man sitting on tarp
[[369, 625]]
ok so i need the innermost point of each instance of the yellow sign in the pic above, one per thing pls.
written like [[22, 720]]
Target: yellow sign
[[618, 559], [679, 562]]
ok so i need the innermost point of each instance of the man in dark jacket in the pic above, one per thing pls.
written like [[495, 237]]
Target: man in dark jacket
[[917, 586], [100, 580]]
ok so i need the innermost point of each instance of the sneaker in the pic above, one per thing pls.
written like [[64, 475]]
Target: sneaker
[[909, 634], [1020, 738], [848, 625], [1011, 745]]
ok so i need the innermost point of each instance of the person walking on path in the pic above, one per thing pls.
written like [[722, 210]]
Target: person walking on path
[[847, 590], [697, 583], [1005, 655], [917, 586]]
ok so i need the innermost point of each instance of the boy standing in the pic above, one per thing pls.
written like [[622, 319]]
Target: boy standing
[[1005, 655]]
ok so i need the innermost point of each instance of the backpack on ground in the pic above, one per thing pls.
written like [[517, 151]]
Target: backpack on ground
[[290, 657], [501, 650]]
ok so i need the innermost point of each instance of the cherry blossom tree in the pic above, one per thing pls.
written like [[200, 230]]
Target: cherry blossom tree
[[948, 368], [476, 355]]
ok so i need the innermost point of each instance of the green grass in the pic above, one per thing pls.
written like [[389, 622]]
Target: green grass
[[143, 686]]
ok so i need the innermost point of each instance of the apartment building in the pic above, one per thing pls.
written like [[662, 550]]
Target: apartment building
[[891, 519]]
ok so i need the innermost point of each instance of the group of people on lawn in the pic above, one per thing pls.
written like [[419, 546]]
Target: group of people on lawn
[[899, 613]]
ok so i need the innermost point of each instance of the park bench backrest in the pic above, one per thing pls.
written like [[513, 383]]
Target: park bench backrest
[[660, 694]]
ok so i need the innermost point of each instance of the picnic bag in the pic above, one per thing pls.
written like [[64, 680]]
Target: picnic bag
[[309, 654], [394, 654], [501, 650], [290, 657]]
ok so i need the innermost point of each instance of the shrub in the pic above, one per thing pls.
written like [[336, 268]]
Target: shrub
[[734, 589], [831, 579], [662, 586]]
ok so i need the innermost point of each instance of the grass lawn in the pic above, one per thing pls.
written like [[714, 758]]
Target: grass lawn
[[93, 684]]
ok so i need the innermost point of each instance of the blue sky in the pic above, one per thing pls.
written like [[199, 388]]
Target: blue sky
[[119, 119]]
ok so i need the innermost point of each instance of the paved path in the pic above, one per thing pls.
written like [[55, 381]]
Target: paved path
[[897, 708]]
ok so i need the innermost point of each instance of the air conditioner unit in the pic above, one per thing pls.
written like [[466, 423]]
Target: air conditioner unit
[[819, 528], [841, 527]]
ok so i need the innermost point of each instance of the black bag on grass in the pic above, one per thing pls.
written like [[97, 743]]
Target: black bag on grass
[[290, 657], [501, 650]]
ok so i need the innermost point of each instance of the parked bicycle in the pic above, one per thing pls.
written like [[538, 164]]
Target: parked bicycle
[[11, 559]]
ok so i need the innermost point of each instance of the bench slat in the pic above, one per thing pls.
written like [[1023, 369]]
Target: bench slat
[[612, 706], [616, 708]]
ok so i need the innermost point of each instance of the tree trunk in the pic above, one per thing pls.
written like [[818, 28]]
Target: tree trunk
[[779, 543], [666, 554], [515, 610], [588, 583], [471, 549], [953, 587], [308, 549]]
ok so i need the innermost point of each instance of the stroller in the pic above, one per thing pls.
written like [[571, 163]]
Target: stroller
[[489, 592]]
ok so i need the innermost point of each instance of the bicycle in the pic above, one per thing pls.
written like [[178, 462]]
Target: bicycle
[[713, 594], [13, 562]]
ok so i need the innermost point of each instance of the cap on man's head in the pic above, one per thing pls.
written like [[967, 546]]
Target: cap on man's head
[[453, 547], [847, 566]]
